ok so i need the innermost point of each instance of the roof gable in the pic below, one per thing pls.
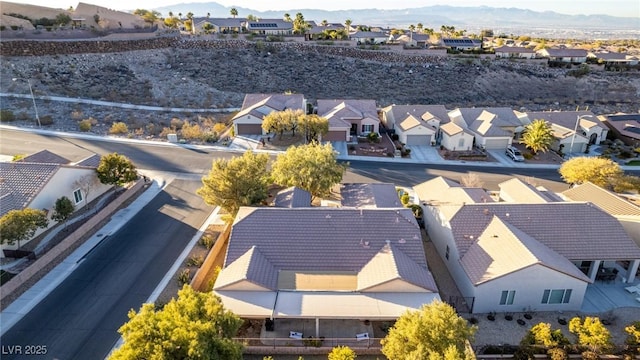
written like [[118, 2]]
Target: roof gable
[[602, 198], [253, 267], [21, 182], [45, 157], [516, 190]]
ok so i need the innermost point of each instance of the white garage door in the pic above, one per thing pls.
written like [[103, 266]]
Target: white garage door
[[493, 144], [418, 139]]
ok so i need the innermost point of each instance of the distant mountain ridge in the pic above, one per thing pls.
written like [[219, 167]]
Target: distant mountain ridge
[[471, 18]]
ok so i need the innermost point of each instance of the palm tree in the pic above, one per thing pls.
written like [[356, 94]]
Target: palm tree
[[347, 24], [180, 16], [208, 15], [411, 29], [233, 12], [537, 136], [419, 27], [193, 26], [287, 17], [170, 14], [324, 23]]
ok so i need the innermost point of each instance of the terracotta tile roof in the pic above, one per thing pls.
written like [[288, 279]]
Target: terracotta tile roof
[[502, 249], [92, 161], [567, 119], [292, 197], [577, 231], [20, 182], [253, 267], [323, 239], [390, 264], [276, 102], [373, 195], [516, 190], [442, 191], [45, 157], [604, 199]]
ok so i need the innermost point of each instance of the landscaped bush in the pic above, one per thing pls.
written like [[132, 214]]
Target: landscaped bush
[[119, 128], [6, 115], [210, 137], [85, 125], [527, 155], [184, 277], [46, 120], [557, 354], [373, 137], [219, 127], [207, 241], [191, 132], [195, 261], [590, 355], [177, 123]]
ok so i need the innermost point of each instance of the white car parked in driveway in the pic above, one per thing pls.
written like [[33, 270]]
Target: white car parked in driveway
[[514, 154]]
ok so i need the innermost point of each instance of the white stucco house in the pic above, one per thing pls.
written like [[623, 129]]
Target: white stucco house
[[518, 255], [415, 124], [248, 121], [515, 52], [492, 128], [455, 138], [38, 180]]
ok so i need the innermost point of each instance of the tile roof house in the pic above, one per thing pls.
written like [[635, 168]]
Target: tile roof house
[[508, 256], [38, 180], [292, 197], [327, 264], [349, 117], [456, 138], [248, 121], [462, 43], [514, 52], [415, 124], [574, 56], [590, 130], [270, 27], [493, 128], [628, 214], [221, 25], [369, 37], [626, 127]]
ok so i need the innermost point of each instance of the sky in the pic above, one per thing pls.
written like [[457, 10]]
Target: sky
[[624, 8]]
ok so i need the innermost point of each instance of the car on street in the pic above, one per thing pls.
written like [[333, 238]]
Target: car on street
[[514, 154]]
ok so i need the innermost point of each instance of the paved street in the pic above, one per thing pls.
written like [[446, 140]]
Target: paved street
[[80, 318]]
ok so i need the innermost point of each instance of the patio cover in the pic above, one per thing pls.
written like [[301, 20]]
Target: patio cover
[[324, 304]]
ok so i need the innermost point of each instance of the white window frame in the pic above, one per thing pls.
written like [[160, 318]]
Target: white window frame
[[507, 297], [556, 296], [367, 128]]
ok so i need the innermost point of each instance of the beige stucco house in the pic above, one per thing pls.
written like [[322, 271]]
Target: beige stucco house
[[493, 128], [415, 124], [248, 121], [349, 118]]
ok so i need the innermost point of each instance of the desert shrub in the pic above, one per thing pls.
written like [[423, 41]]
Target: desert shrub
[[195, 261], [210, 137], [557, 354], [152, 129], [590, 355], [85, 125], [119, 128], [207, 241], [219, 128], [191, 132], [177, 123], [166, 131], [527, 155], [76, 114], [46, 120], [6, 115], [22, 115], [184, 276]]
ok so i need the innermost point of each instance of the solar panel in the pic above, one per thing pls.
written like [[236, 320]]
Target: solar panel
[[264, 25]]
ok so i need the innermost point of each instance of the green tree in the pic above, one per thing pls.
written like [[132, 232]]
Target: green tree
[[312, 167], [148, 16], [596, 170], [234, 12], [251, 17], [193, 326], [63, 19], [300, 25], [537, 136], [433, 332], [313, 126], [347, 25], [281, 121], [342, 353], [287, 17], [591, 333], [63, 209], [116, 169], [18, 225], [240, 181], [189, 23], [542, 334]]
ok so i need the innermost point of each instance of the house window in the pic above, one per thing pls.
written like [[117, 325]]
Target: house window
[[77, 195], [507, 297], [559, 296], [367, 129], [446, 254], [461, 143]]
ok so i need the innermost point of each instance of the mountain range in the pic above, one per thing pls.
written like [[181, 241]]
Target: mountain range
[[470, 18]]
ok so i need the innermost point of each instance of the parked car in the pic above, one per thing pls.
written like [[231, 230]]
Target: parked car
[[514, 154]]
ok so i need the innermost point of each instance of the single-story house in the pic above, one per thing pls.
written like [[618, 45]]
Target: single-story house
[[626, 127], [330, 263], [270, 27], [493, 128], [348, 118], [507, 256], [590, 130], [462, 43], [515, 52], [517, 191], [614, 58], [455, 138], [221, 25], [415, 124], [628, 214], [413, 40], [369, 37], [38, 180], [248, 121], [574, 56]]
